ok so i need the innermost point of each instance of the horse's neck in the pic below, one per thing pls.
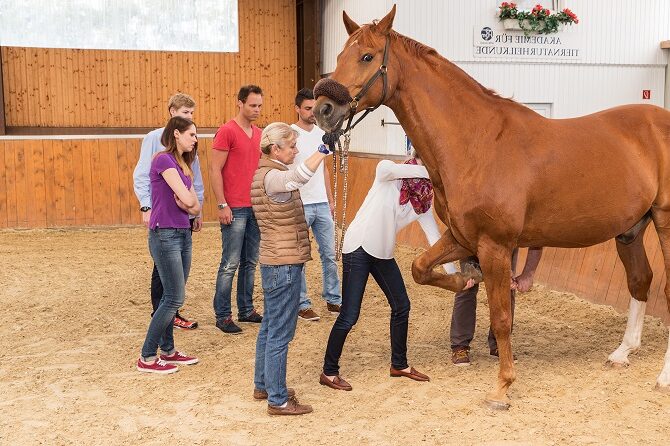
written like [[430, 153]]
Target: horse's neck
[[443, 111]]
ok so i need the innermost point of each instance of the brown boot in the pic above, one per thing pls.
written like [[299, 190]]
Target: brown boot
[[293, 407]]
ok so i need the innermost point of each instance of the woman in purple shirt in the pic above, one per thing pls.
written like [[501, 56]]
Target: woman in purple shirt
[[172, 200]]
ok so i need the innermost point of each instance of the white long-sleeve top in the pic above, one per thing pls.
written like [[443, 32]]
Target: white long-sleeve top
[[381, 215]]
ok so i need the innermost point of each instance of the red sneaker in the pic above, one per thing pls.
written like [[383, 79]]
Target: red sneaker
[[179, 358], [156, 366], [182, 322]]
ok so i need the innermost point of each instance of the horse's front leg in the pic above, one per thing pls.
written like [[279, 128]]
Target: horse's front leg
[[495, 261], [445, 250]]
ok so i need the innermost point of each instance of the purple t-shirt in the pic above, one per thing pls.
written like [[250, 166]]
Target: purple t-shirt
[[164, 210]]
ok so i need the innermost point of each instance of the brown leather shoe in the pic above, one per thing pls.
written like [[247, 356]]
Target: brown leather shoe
[[460, 357], [263, 394], [293, 407], [308, 315], [412, 374], [334, 308], [337, 383]]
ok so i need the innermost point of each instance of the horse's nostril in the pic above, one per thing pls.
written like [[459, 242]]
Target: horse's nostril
[[326, 109]]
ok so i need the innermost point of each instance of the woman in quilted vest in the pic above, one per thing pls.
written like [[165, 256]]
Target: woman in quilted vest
[[283, 252]]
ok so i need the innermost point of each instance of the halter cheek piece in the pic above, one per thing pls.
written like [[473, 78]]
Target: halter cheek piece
[[353, 105]]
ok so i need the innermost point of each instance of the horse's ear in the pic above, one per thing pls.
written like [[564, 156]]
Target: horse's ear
[[349, 24], [384, 26]]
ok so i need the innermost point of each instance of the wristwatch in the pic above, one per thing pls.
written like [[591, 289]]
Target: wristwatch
[[323, 149], [145, 208], [222, 205]]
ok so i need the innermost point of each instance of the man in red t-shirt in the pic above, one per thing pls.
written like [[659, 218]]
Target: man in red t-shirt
[[233, 162]]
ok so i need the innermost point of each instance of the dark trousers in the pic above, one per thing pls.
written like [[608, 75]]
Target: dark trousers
[[464, 316], [157, 286], [356, 267]]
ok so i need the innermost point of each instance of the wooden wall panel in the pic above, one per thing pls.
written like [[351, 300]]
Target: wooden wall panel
[[104, 88], [52, 183], [76, 182]]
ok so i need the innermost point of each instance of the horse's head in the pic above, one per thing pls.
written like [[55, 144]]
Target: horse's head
[[365, 76]]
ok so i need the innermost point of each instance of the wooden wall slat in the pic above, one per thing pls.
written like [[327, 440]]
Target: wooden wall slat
[[49, 183], [3, 187], [10, 182], [35, 184], [115, 192], [20, 181], [126, 194], [78, 169], [68, 184], [87, 178]]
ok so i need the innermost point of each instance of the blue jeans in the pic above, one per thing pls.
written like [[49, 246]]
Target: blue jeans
[[281, 293], [171, 251], [319, 218], [356, 267], [240, 241]]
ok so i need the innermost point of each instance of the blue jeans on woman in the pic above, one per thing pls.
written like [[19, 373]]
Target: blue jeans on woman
[[356, 267], [171, 251], [281, 293], [319, 218], [240, 241]]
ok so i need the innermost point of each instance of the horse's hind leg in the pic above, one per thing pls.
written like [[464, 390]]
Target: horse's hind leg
[[662, 223], [630, 247]]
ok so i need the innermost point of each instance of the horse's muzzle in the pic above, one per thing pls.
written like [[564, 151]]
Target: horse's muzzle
[[332, 89]]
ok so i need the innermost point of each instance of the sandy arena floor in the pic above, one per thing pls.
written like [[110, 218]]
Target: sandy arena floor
[[76, 307]]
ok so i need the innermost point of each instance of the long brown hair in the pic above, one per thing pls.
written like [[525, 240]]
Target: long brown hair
[[185, 160]]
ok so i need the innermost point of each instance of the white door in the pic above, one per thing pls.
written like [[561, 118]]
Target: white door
[[540, 108]]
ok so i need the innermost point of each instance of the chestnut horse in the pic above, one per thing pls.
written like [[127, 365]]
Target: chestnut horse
[[505, 176]]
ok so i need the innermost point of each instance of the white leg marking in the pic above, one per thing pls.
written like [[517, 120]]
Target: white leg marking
[[633, 335], [663, 380]]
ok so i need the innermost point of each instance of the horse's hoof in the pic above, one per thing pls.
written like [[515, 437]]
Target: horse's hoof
[[662, 389], [496, 405], [472, 271], [616, 365]]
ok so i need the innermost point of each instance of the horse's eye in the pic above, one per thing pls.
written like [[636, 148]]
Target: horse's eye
[[367, 57]]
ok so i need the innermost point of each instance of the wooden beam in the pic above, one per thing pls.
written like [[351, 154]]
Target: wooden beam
[[37, 131], [665, 44], [3, 122], [309, 48]]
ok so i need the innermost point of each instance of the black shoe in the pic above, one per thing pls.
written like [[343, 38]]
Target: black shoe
[[228, 326], [251, 317]]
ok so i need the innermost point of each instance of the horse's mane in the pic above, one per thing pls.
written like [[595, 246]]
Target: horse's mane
[[365, 35]]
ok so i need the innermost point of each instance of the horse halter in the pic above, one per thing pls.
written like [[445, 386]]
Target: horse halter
[[330, 138]]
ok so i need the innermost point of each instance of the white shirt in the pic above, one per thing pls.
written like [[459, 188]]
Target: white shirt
[[381, 216], [314, 191]]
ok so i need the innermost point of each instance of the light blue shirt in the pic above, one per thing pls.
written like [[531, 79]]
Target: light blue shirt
[[151, 144]]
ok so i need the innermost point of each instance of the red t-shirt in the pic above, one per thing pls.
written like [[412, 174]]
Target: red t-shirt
[[242, 162]]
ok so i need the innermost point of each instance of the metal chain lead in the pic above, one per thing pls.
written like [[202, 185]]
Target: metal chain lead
[[345, 187], [343, 154], [335, 169]]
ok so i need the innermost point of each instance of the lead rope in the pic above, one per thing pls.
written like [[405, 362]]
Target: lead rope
[[343, 154]]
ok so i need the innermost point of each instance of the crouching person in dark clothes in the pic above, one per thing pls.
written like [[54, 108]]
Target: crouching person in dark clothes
[[284, 249]]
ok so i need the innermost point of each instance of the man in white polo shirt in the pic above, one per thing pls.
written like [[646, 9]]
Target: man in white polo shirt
[[317, 199]]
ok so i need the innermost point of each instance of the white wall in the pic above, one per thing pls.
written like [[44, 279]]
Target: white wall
[[618, 41]]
